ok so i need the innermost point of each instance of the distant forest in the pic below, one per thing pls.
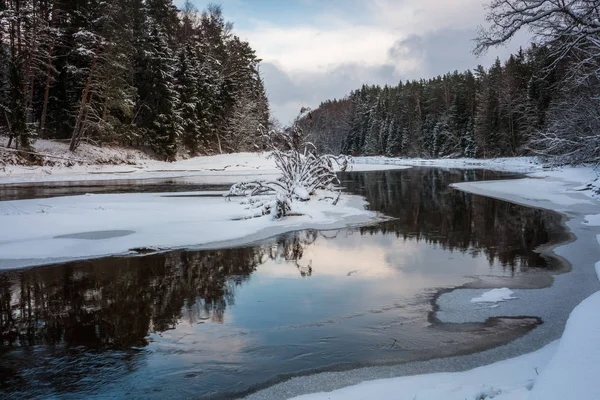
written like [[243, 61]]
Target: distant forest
[[544, 100], [140, 73]]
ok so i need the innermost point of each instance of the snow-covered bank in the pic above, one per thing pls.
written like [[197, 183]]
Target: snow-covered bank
[[573, 371], [56, 154], [505, 380], [141, 168], [512, 164], [114, 163], [37, 232]]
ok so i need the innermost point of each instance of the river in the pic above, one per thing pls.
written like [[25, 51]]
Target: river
[[221, 323]]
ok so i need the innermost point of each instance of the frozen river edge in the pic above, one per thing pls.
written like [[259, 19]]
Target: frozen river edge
[[91, 226], [512, 378]]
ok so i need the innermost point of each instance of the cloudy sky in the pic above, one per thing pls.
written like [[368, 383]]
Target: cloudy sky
[[314, 50]]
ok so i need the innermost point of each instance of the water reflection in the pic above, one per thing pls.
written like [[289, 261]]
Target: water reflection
[[427, 209], [193, 324], [117, 302], [40, 190]]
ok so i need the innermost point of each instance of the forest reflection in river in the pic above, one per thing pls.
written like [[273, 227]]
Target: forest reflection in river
[[208, 323]]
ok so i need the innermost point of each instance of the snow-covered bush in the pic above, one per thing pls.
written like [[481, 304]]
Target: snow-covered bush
[[303, 173]]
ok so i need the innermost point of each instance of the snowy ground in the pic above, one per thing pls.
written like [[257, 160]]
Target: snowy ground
[[95, 163], [56, 154], [513, 164], [80, 227]]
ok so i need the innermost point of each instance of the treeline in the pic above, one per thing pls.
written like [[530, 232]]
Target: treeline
[[135, 72], [542, 101], [482, 113]]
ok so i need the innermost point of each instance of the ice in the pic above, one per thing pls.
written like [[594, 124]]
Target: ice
[[494, 296], [592, 220], [36, 232], [504, 380]]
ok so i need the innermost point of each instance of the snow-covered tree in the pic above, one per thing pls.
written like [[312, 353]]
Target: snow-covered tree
[[187, 76], [569, 29], [303, 173]]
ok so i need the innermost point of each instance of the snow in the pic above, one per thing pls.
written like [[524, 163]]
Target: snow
[[301, 192], [513, 164], [78, 227], [103, 163], [555, 191], [594, 220], [494, 296], [505, 380], [573, 371]]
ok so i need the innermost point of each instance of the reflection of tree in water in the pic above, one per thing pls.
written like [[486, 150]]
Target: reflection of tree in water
[[426, 208], [290, 249], [117, 302]]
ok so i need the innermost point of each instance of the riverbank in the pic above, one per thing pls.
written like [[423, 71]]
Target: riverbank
[[93, 163], [549, 363], [90, 226]]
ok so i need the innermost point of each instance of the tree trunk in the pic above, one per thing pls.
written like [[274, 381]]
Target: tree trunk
[[85, 118], [10, 132], [219, 143], [84, 98], [42, 131], [29, 75], [105, 110]]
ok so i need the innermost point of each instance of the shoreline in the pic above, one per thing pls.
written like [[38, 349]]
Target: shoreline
[[567, 291], [117, 225], [222, 169]]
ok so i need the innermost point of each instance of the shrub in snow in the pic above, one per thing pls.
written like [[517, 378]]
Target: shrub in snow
[[487, 392], [303, 173]]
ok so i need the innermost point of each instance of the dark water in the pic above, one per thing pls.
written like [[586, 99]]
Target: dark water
[[220, 323], [38, 190]]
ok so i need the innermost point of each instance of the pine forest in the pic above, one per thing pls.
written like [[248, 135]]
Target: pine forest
[[139, 73]]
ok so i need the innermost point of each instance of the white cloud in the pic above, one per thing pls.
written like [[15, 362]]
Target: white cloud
[[424, 16], [361, 41]]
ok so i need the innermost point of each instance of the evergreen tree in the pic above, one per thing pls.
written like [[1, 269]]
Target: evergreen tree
[[161, 120], [187, 76]]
